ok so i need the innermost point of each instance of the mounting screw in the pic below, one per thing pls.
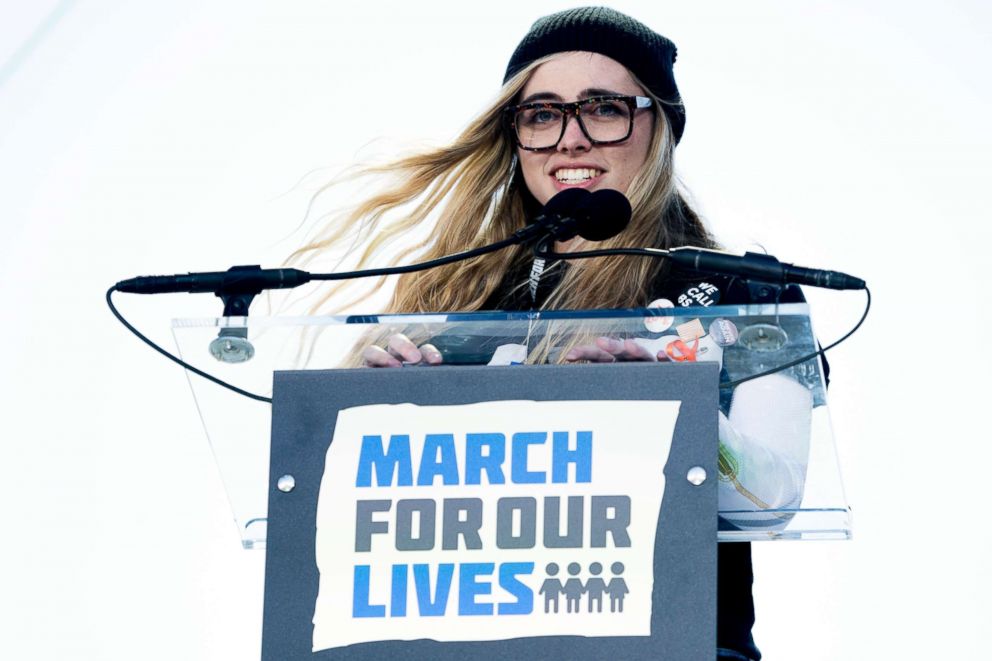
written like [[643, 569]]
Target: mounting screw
[[696, 475]]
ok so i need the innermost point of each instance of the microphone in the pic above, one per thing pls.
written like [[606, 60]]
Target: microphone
[[764, 268], [559, 211], [236, 280], [253, 279], [238, 286], [606, 214], [572, 212], [595, 216], [561, 206], [574, 207]]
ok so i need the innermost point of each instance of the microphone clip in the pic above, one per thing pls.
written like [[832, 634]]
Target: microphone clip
[[237, 291]]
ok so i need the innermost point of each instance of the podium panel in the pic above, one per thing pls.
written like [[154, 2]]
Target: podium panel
[[780, 477], [514, 512]]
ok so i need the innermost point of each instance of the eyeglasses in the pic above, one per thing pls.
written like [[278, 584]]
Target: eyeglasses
[[604, 120]]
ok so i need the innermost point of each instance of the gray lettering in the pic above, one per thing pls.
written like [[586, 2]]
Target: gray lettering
[[454, 527], [365, 527], [505, 508], [405, 510], [553, 539], [602, 521]]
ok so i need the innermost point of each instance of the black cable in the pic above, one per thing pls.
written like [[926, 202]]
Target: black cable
[[803, 359], [176, 359], [541, 251], [420, 266], [410, 268], [517, 237], [604, 252], [393, 270]]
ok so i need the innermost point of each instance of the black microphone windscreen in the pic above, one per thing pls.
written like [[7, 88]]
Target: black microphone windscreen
[[603, 215], [565, 202]]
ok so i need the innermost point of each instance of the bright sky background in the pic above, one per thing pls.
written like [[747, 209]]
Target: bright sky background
[[141, 137]]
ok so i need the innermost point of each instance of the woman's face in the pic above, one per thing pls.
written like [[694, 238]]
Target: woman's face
[[576, 162]]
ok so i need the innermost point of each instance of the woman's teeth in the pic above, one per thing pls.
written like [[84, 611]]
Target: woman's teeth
[[576, 175]]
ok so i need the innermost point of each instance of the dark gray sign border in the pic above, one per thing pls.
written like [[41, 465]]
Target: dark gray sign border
[[305, 405]]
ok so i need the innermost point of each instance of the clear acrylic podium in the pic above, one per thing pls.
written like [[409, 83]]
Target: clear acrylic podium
[[745, 339]]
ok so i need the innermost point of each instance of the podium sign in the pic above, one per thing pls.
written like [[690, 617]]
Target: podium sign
[[537, 512]]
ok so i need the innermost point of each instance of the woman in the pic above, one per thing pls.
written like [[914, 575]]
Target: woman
[[485, 185], [589, 101]]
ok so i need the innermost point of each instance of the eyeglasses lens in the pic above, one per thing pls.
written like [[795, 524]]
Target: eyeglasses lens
[[540, 127]]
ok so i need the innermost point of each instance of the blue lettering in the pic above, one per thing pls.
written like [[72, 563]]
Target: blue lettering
[[360, 604], [427, 605], [491, 462], [438, 459], [485, 453], [397, 603], [581, 456], [508, 572], [387, 464], [518, 469], [469, 588]]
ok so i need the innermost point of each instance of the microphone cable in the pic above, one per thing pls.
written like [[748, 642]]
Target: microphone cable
[[176, 359], [810, 356], [252, 280], [389, 270], [555, 221], [541, 251]]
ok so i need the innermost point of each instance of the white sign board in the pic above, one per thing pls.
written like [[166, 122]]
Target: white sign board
[[490, 521]]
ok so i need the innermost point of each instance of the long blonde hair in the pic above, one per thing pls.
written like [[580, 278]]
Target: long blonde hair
[[475, 191]]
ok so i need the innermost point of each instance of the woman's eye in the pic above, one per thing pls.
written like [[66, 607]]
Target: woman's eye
[[540, 116], [608, 109]]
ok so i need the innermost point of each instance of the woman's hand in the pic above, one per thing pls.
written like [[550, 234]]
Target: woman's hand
[[399, 351], [610, 350]]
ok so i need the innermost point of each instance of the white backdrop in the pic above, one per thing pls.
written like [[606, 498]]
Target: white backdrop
[[163, 137]]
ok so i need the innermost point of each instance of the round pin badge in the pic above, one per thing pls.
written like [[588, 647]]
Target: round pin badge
[[724, 332], [659, 324]]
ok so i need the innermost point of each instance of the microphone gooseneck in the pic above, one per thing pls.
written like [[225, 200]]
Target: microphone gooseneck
[[605, 213], [237, 286], [253, 280]]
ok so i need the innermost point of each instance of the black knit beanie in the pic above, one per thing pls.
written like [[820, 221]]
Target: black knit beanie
[[644, 52]]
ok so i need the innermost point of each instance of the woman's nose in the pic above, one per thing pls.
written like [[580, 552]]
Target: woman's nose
[[574, 138]]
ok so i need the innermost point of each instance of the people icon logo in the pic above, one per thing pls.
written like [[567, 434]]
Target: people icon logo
[[574, 588]]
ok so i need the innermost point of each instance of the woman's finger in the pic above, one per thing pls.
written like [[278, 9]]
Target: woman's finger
[[431, 355], [400, 346], [378, 357], [589, 353], [626, 350]]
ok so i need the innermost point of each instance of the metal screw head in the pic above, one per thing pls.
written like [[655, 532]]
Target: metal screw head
[[229, 348], [286, 483], [696, 475]]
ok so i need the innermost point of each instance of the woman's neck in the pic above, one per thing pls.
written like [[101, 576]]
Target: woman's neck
[[571, 245]]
